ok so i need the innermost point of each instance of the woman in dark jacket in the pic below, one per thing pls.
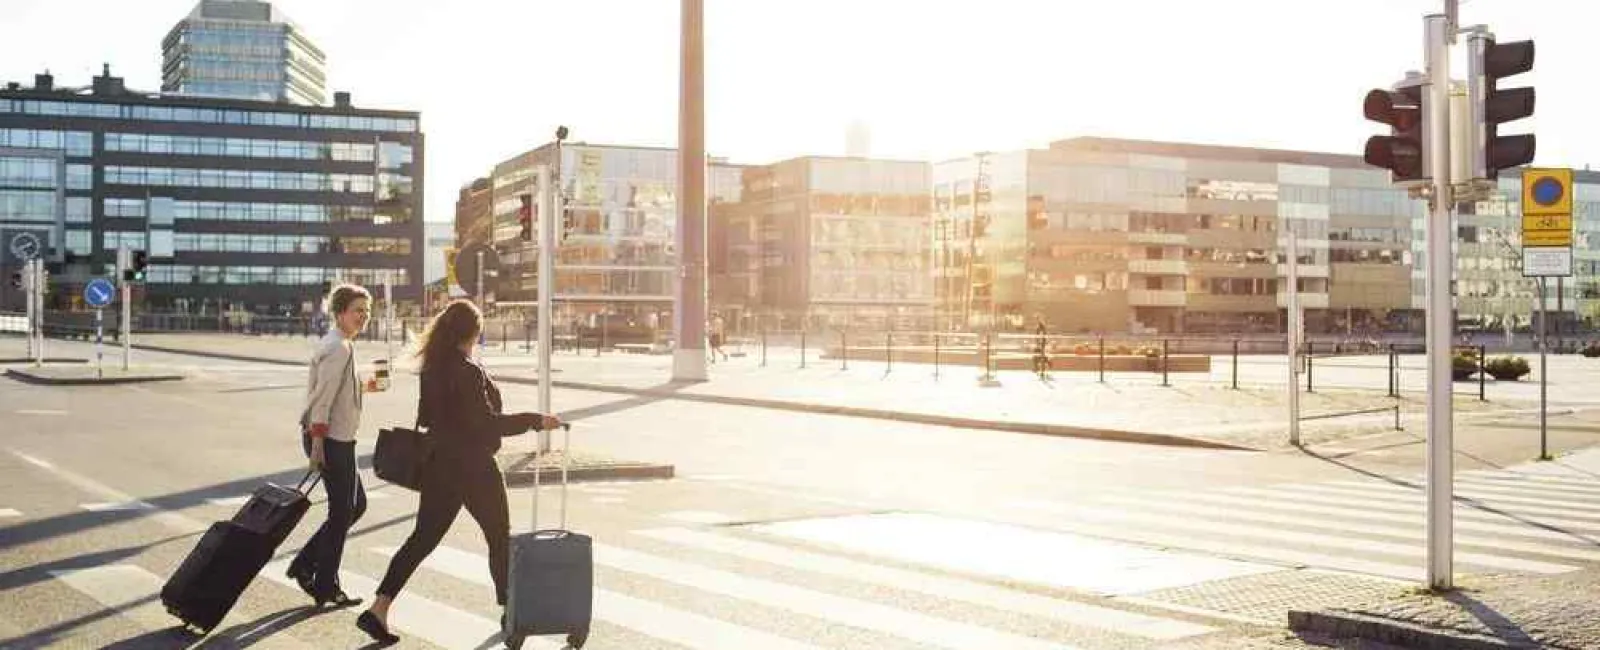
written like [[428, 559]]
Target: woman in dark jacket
[[461, 409]]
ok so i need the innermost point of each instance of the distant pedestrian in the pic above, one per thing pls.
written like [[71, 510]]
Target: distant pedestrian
[[1041, 348], [718, 329], [328, 434], [461, 409]]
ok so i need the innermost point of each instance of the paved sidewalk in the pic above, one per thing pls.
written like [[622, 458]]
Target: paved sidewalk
[[1557, 611], [1129, 406]]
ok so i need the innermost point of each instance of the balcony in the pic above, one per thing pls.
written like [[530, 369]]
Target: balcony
[[1169, 238], [1158, 267], [1307, 300], [1157, 298]]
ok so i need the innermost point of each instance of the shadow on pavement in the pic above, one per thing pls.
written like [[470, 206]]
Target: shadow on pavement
[[1469, 501]]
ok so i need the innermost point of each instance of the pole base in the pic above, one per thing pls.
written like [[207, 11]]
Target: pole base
[[988, 381], [689, 365]]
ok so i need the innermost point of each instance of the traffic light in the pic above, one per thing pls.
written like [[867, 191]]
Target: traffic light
[[525, 216], [135, 272], [1501, 105], [1401, 152], [16, 279], [569, 221]]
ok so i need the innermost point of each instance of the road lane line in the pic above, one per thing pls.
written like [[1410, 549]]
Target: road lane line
[[173, 520]]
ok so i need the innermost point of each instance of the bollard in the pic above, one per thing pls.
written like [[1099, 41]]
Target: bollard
[[802, 347], [888, 352], [844, 349], [505, 339], [1310, 356], [1164, 363], [763, 346], [1102, 359], [1236, 364], [1483, 362], [935, 355], [1393, 374], [527, 337], [1397, 426]]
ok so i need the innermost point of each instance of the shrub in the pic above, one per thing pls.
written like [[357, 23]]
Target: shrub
[[1507, 368], [1462, 365], [1591, 350]]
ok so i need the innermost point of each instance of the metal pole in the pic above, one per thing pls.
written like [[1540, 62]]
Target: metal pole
[[1440, 524], [127, 312], [802, 345], [689, 360], [1483, 364], [1164, 363], [888, 352], [935, 355], [99, 337], [1544, 374], [1236, 364], [1311, 364], [547, 289], [1292, 337], [763, 345], [388, 315], [31, 317], [1102, 359], [483, 339]]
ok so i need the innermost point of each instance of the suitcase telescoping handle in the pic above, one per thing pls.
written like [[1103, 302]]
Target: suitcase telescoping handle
[[566, 459], [311, 475]]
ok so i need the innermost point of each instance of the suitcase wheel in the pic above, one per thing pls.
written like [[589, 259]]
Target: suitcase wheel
[[577, 639], [514, 642]]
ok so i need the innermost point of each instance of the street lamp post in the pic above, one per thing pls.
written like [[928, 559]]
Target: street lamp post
[[689, 359]]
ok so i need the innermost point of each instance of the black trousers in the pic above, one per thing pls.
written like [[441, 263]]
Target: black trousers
[[447, 485], [347, 501]]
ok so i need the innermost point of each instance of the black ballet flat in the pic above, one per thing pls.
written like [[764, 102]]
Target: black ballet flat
[[375, 628], [338, 599]]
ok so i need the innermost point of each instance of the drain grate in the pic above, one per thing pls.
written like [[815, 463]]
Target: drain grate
[[1268, 597]]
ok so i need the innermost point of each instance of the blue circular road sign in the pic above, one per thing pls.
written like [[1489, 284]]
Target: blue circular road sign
[[1547, 191], [99, 292]]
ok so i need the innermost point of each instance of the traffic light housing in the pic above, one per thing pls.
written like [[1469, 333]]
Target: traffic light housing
[[1500, 105], [569, 221], [16, 279], [525, 217], [1402, 152], [135, 272]]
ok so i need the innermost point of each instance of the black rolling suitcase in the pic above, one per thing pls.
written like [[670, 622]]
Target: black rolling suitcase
[[551, 588], [230, 554]]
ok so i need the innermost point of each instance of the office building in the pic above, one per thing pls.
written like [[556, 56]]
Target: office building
[[830, 242], [239, 204], [617, 258], [242, 49]]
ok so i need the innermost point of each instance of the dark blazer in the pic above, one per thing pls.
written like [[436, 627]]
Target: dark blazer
[[461, 408]]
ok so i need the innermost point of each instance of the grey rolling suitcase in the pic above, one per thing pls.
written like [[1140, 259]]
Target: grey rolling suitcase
[[551, 581]]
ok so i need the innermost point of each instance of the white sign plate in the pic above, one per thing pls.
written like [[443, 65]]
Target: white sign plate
[[1554, 262]]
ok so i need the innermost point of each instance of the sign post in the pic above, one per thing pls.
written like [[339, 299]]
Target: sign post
[[1546, 253], [99, 293]]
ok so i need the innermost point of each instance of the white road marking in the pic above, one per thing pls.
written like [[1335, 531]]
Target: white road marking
[[1005, 600], [117, 506], [135, 594], [699, 517], [9, 512], [652, 619], [40, 412], [173, 520]]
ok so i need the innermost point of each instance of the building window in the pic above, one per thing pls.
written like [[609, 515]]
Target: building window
[[78, 209], [80, 242]]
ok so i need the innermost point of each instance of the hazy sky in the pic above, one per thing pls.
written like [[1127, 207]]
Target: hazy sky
[[932, 78]]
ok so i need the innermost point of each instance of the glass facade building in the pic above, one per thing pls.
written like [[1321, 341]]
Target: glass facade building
[[829, 242], [239, 204], [242, 49], [619, 257]]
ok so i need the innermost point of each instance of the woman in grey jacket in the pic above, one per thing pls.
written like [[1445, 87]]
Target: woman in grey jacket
[[332, 415]]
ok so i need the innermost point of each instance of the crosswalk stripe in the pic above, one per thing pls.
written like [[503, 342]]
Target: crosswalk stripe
[[652, 619], [1363, 509], [229, 502], [952, 589], [1183, 505], [1592, 483], [1315, 539], [416, 615], [1543, 495], [1496, 493], [1291, 556], [9, 512], [847, 611], [135, 594], [117, 506], [1589, 488], [698, 517], [1477, 507]]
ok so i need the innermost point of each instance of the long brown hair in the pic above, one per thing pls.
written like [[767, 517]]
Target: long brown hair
[[459, 322]]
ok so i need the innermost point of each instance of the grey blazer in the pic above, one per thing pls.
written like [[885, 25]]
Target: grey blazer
[[333, 393]]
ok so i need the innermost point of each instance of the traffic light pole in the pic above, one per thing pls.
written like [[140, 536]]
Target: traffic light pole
[[689, 303], [1292, 339], [1440, 516], [124, 256], [547, 290]]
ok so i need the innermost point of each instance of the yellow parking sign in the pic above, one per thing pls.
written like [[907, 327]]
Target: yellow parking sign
[[1546, 192]]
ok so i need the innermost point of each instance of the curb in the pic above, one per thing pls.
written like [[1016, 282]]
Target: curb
[[523, 476], [30, 378], [1054, 430], [1345, 625], [216, 355]]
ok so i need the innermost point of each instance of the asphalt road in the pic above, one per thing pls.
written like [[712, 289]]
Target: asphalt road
[[783, 530]]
